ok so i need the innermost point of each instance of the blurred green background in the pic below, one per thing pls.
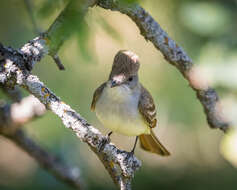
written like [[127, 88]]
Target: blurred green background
[[201, 158]]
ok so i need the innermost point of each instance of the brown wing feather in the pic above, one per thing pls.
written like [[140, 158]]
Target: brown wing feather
[[147, 107], [96, 95]]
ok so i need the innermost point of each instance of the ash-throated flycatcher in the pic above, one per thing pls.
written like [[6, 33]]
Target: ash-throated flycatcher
[[123, 105]]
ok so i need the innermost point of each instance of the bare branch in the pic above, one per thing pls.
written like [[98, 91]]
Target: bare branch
[[174, 54], [10, 125], [51, 163]]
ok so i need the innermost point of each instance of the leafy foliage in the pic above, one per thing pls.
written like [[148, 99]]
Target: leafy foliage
[[73, 22]]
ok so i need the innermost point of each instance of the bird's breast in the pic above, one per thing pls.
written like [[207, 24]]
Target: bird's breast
[[117, 109]]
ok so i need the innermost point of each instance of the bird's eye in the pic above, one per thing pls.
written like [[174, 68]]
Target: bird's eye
[[130, 79]]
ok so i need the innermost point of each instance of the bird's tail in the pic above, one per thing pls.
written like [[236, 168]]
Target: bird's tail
[[152, 144]]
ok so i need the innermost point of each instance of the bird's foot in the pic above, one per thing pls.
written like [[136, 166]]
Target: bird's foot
[[130, 154], [105, 141]]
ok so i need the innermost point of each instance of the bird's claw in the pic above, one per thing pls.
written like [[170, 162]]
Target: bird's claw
[[129, 155], [104, 141]]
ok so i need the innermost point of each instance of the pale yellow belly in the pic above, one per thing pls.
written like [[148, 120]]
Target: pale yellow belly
[[121, 116], [123, 125]]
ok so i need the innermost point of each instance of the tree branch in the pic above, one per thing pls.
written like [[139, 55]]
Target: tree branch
[[175, 55], [15, 115], [14, 71], [11, 119], [49, 162]]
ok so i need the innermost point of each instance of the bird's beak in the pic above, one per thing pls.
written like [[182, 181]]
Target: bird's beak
[[117, 80], [114, 83]]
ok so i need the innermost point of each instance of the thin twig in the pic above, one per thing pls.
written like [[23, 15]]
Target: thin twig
[[58, 62]]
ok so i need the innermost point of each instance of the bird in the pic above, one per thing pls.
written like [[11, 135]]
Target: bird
[[123, 105]]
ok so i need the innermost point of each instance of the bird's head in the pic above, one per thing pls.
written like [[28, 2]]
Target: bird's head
[[125, 69]]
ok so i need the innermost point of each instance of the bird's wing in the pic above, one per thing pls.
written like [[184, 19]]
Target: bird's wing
[[147, 107], [96, 95]]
